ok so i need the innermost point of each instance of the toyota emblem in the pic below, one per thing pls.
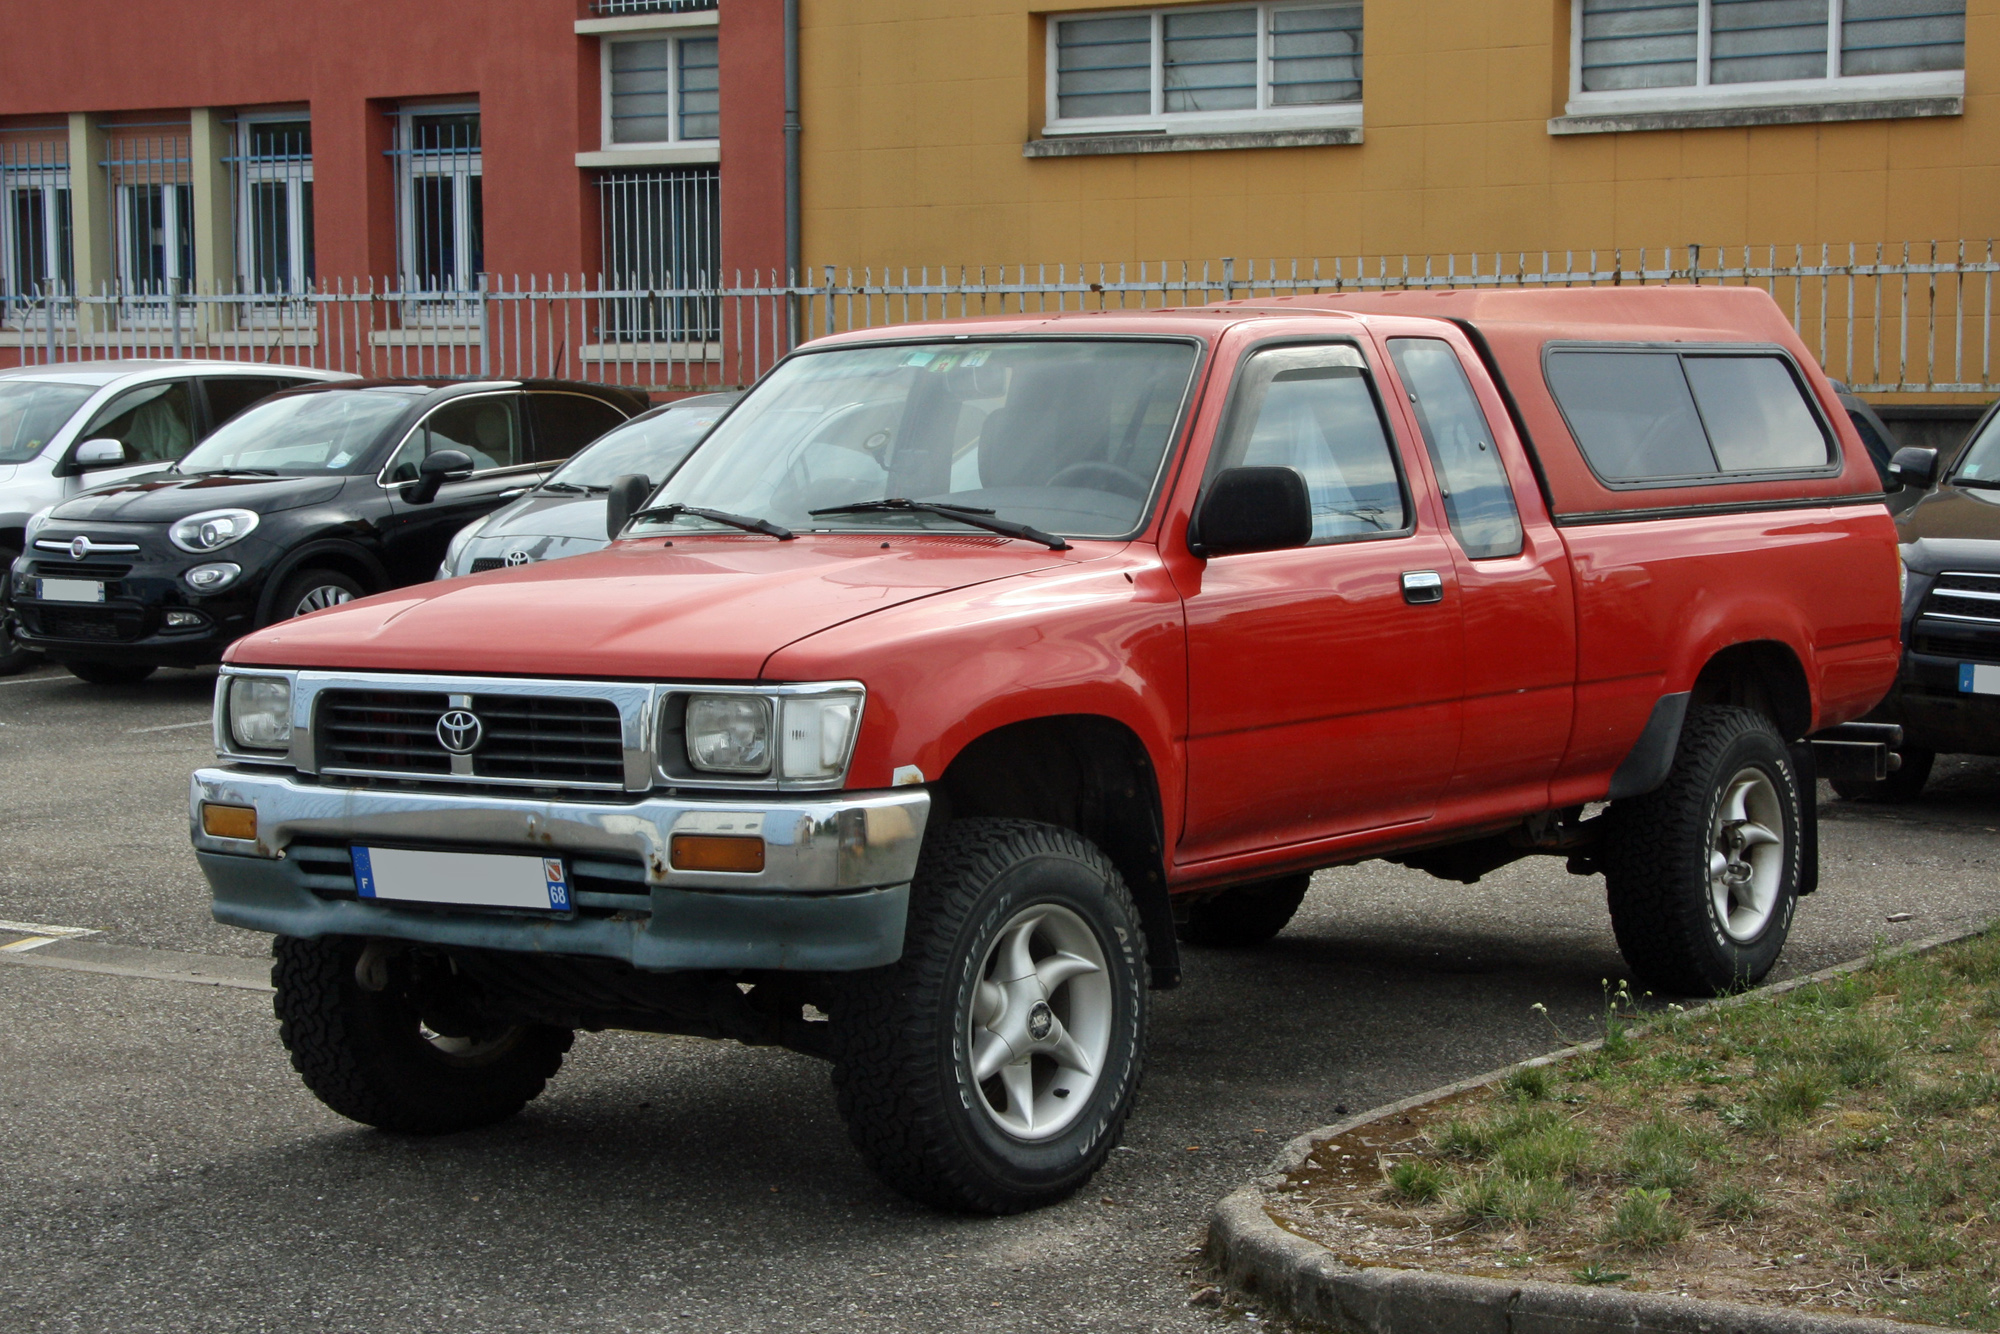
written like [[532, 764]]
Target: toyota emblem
[[459, 732], [518, 557]]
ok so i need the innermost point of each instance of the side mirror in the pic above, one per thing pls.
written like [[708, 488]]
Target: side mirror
[[101, 453], [1912, 466], [1252, 509], [628, 493], [431, 474]]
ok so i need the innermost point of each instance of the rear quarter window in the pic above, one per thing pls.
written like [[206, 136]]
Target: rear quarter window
[[1654, 416]]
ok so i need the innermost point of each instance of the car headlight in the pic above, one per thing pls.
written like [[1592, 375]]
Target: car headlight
[[213, 577], [729, 734], [817, 735], [36, 522], [260, 712], [459, 542], [212, 530]]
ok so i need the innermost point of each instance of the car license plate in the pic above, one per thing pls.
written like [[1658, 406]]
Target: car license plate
[[1978, 678], [468, 879], [69, 590]]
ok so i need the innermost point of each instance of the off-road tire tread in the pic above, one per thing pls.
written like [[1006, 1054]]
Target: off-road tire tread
[[312, 979], [1660, 927], [1243, 916], [894, 1114]]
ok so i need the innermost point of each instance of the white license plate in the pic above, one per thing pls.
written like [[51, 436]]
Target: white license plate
[[1978, 678], [468, 879], [69, 590]]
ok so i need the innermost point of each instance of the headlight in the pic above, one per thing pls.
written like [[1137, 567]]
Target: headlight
[[817, 736], [729, 734], [213, 530], [36, 521], [460, 540], [213, 577], [260, 712]]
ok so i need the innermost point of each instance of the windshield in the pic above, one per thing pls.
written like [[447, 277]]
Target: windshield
[[653, 446], [312, 433], [32, 411], [1063, 434]]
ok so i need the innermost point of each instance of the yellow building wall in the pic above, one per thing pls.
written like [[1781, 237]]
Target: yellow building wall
[[915, 112]]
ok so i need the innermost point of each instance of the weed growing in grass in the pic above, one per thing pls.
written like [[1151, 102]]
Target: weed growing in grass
[[1658, 1155], [1643, 1221], [1785, 1100], [1923, 1101], [1549, 1152], [1596, 1275], [1734, 1201], [1498, 1197], [1530, 1083], [1416, 1180], [1862, 1056], [1463, 1139]]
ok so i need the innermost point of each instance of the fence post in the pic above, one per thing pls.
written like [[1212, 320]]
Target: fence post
[[485, 333], [829, 298], [1228, 279], [49, 313], [174, 312]]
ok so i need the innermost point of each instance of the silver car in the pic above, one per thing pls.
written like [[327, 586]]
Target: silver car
[[565, 515], [70, 426]]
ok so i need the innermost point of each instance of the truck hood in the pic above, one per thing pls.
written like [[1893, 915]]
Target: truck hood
[[162, 497], [705, 608]]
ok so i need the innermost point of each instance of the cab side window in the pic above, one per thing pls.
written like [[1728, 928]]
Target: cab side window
[[560, 424], [485, 428], [1314, 409], [230, 394], [155, 422], [1478, 501]]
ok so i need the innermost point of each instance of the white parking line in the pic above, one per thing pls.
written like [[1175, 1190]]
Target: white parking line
[[31, 680], [44, 929], [29, 943], [167, 727]]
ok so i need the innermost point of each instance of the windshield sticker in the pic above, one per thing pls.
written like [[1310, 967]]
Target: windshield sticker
[[919, 357]]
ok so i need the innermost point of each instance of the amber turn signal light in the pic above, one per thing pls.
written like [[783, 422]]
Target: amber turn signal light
[[232, 821], [717, 852]]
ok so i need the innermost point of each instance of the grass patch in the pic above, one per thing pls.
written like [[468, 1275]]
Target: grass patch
[[1836, 1147]]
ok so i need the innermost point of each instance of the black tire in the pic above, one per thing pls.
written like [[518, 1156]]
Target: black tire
[[1244, 915], [111, 673], [1655, 856], [331, 587], [904, 1035], [13, 658], [1905, 784], [363, 1053]]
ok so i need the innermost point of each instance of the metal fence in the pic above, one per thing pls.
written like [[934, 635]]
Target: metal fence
[[1915, 320]]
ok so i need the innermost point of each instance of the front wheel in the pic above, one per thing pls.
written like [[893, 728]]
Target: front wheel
[[1702, 875], [412, 1056], [991, 1068], [314, 590]]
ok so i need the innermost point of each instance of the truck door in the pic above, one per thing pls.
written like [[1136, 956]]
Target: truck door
[[1513, 582], [1323, 681]]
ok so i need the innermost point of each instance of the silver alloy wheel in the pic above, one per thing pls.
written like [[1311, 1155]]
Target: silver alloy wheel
[[322, 597], [1746, 858], [1038, 1025]]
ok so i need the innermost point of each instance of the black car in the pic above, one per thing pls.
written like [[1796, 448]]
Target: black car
[[1947, 696], [311, 498]]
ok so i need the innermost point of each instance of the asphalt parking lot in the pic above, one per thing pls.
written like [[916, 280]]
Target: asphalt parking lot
[[166, 1170]]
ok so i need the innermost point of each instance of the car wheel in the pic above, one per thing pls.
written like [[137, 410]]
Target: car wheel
[[413, 1056], [1244, 915], [1702, 875], [991, 1068], [111, 673], [314, 590], [1905, 784], [13, 658]]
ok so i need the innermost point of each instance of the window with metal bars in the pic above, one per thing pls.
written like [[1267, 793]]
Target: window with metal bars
[[1690, 51], [661, 90], [152, 216], [661, 233], [440, 208], [273, 173], [35, 258], [1243, 66]]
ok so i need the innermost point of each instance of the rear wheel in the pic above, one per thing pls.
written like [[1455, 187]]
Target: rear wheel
[[1244, 915], [992, 1067], [314, 590], [413, 1056], [13, 658], [111, 673], [1905, 784], [1702, 874]]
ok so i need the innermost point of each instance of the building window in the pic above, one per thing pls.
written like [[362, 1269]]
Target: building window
[[440, 214], [661, 90], [274, 205], [661, 233], [34, 223], [152, 214], [1644, 55], [1267, 66]]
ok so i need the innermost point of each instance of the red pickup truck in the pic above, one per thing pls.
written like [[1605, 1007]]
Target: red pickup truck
[[967, 666]]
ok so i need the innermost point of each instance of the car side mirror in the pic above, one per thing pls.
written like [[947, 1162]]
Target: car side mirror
[[100, 453], [1914, 466], [433, 471], [628, 493], [1252, 509]]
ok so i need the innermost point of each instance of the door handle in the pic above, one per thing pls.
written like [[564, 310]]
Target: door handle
[[1421, 586]]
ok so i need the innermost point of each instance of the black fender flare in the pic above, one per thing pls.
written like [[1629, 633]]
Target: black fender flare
[[348, 552]]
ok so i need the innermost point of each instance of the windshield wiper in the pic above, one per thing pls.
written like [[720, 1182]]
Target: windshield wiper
[[233, 472], [571, 488], [668, 513], [1981, 483], [978, 518]]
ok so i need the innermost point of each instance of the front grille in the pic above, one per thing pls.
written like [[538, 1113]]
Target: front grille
[[105, 624], [481, 564], [553, 741], [79, 569], [1960, 648], [1969, 598]]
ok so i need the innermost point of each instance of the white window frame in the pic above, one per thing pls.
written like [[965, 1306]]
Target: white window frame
[[674, 36], [50, 180], [1834, 87], [461, 168], [1331, 115], [252, 172], [170, 245]]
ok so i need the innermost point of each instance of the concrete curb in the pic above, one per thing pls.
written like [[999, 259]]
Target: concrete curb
[[1248, 1248]]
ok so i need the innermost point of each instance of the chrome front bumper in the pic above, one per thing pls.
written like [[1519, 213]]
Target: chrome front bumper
[[832, 894]]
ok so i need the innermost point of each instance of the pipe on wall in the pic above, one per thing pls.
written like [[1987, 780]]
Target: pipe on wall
[[792, 142]]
